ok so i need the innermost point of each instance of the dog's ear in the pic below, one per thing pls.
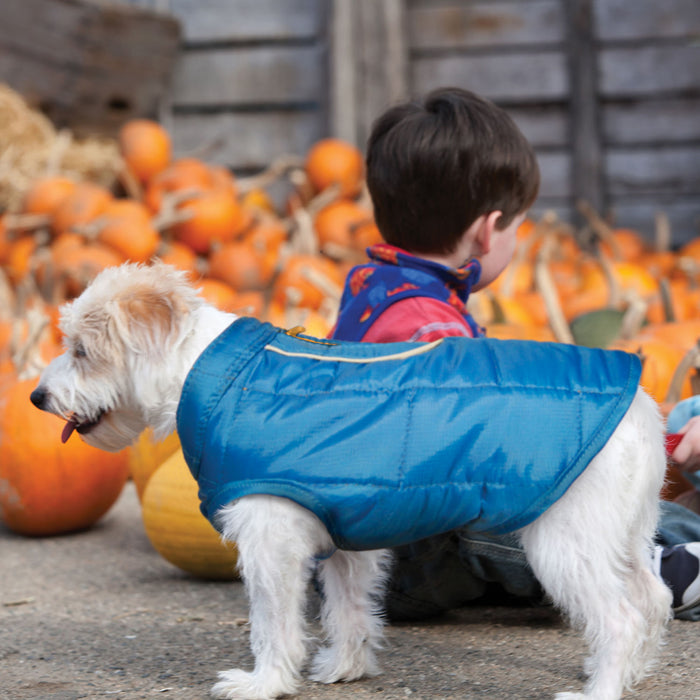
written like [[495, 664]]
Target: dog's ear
[[149, 317]]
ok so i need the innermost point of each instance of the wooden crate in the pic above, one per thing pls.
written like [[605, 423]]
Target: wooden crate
[[88, 64]]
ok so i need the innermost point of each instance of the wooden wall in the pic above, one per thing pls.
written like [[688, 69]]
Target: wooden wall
[[608, 91], [251, 82]]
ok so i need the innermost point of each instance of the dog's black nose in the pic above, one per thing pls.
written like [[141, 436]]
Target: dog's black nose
[[38, 397]]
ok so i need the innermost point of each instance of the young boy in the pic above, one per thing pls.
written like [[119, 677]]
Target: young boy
[[451, 178]]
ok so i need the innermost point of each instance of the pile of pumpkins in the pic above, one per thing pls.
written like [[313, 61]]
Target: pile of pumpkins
[[286, 264]]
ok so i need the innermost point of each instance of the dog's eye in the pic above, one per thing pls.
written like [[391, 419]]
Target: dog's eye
[[79, 351]]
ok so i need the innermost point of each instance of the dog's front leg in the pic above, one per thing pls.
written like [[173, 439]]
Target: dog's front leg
[[276, 541]]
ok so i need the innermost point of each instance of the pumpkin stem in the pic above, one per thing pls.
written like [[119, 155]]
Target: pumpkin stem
[[599, 226], [277, 169], [662, 232], [25, 356], [666, 300], [634, 317], [546, 287], [614, 292], [690, 359]]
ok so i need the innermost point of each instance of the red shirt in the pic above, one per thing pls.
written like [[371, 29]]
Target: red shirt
[[418, 319]]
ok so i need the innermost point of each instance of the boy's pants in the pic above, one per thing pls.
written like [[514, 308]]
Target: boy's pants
[[452, 570]]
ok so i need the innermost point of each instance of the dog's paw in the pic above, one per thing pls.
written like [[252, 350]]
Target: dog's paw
[[571, 696], [239, 685], [331, 666]]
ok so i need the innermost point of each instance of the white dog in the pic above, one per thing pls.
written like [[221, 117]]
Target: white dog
[[131, 340]]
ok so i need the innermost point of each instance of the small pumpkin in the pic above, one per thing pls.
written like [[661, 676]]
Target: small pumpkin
[[125, 225], [214, 216], [335, 162], [146, 148], [218, 294], [306, 280], [46, 194], [176, 527], [241, 266], [82, 205]]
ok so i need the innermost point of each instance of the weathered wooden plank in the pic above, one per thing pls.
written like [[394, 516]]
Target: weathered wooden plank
[[543, 125], [246, 141], [382, 60], [650, 70], [249, 75], [526, 78], [246, 20], [586, 146], [624, 20], [663, 170], [476, 24], [368, 65], [555, 174], [652, 121], [639, 212], [75, 62]]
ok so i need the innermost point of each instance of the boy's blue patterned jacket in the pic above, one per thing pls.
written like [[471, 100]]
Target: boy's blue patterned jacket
[[391, 443]]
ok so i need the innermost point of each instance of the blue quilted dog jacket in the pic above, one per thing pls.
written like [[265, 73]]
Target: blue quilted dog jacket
[[391, 443]]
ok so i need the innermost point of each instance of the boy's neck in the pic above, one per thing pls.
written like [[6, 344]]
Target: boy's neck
[[452, 260]]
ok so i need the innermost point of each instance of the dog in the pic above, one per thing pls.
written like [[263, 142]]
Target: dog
[[132, 341]]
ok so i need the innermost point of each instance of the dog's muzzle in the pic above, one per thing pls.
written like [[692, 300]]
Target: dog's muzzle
[[38, 397]]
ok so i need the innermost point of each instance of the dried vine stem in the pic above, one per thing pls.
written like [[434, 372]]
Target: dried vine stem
[[690, 359], [546, 287], [599, 226]]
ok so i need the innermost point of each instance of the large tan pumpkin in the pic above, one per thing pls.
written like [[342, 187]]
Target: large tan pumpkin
[[176, 527], [147, 454]]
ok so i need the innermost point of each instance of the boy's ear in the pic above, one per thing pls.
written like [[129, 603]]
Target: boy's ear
[[485, 226]]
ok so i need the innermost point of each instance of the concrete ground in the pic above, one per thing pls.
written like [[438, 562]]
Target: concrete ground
[[100, 614]]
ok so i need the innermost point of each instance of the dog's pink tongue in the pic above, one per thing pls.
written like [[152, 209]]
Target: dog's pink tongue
[[68, 429]]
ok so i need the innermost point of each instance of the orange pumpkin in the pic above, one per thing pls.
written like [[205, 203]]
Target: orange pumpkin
[[628, 243], [181, 257], [146, 148], [215, 217], [250, 303], [337, 223], [335, 162], [46, 194], [49, 488], [659, 362], [313, 323], [218, 294], [20, 257], [77, 265], [189, 174], [306, 280], [258, 200], [241, 266], [85, 203], [7, 238], [125, 225], [515, 331]]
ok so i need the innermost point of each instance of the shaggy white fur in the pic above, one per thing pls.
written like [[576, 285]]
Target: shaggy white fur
[[131, 339]]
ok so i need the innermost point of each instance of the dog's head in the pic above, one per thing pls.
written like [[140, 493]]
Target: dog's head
[[122, 366]]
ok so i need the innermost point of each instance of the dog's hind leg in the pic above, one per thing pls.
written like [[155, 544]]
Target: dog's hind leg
[[353, 584], [276, 541], [591, 551]]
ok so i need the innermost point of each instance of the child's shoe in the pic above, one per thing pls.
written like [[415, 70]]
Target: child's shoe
[[679, 568]]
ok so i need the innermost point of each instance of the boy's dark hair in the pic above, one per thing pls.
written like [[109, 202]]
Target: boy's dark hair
[[434, 166]]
